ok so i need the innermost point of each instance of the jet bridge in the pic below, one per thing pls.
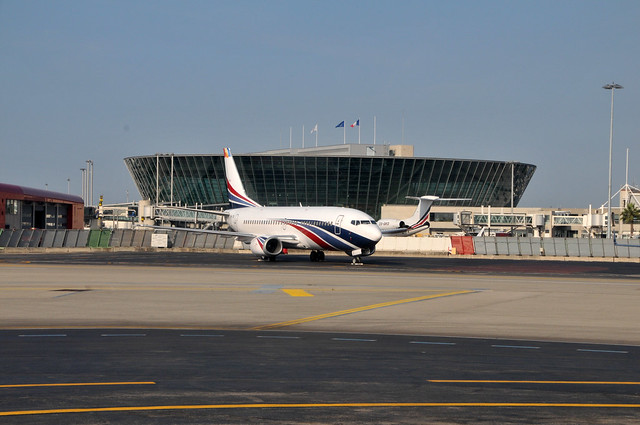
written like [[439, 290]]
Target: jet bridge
[[185, 216], [559, 223], [126, 216], [470, 222]]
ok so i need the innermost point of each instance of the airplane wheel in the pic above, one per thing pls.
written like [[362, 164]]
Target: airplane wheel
[[320, 255], [313, 256]]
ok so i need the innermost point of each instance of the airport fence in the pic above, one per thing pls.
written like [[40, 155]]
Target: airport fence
[[558, 247], [507, 246], [107, 238]]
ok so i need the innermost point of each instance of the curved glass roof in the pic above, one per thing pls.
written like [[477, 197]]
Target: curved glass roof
[[361, 182]]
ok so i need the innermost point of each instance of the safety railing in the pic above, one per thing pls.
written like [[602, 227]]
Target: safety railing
[[106, 238], [558, 247]]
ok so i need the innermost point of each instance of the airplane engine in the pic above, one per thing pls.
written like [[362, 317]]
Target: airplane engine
[[269, 247]]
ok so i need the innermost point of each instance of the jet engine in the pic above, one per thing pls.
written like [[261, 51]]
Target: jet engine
[[266, 247]]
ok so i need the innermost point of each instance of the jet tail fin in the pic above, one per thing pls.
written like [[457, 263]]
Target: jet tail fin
[[237, 196], [419, 217]]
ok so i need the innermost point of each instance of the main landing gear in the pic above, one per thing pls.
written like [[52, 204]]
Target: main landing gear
[[357, 261], [316, 256]]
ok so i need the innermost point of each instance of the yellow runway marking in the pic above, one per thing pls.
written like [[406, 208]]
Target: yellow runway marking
[[357, 310], [488, 381], [311, 405], [297, 292], [77, 384]]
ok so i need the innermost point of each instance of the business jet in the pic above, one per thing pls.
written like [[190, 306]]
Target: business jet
[[417, 222], [270, 231]]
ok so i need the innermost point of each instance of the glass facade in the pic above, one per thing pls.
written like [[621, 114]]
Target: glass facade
[[364, 183]]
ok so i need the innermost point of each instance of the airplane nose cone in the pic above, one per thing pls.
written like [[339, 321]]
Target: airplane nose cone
[[376, 234]]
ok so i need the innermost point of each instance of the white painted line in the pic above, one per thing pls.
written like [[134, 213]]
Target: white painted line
[[603, 351], [42, 336], [432, 343], [525, 347]]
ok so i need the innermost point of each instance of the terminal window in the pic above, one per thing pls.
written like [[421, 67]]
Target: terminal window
[[12, 206]]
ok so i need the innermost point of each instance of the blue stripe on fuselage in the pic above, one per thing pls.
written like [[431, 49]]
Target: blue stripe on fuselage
[[345, 240]]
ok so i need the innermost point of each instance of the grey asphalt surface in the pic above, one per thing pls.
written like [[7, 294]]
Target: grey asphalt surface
[[506, 266], [220, 338], [173, 376]]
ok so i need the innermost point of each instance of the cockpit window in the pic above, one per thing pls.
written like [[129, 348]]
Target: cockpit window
[[358, 222]]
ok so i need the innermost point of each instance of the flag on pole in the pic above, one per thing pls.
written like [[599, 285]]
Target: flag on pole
[[340, 125], [356, 124], [315, 130]]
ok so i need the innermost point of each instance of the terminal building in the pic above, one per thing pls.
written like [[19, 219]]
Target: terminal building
[[527, 221], [28, 208], [359, 176]]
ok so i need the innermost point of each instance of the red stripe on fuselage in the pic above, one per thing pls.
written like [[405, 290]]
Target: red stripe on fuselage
[[315, 238]]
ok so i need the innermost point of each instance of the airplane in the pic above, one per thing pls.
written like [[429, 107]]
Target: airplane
[[270, 231], [417, 222]]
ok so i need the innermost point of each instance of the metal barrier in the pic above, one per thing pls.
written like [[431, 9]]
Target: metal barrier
[[558, 247], [106, 238], [507, 246]]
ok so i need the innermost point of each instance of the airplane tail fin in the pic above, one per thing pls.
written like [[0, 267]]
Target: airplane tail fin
[[237, 196], [419, 217]]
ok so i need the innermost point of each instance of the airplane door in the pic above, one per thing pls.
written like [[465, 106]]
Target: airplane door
[[336, 226], [233, 221]]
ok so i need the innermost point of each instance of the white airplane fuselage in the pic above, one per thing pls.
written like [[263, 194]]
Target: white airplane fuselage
[[315, 228]]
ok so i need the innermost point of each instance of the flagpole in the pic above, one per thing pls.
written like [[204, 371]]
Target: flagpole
[[302, 136], [290, 138], [358, 130], [374, 129], [315, 130], [344, 132]]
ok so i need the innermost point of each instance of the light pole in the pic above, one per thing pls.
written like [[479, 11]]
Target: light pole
[[612, 87], [84, 185]]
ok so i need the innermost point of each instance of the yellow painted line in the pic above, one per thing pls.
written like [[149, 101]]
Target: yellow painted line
[[488, 381], [76, 384], [297, 292], [358, 309], [310, 405]]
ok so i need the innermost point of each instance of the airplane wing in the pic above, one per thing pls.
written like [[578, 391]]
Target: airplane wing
[[223, 233], [391, 232], [243, 237]]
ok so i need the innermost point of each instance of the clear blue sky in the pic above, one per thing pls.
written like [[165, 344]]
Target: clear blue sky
[[504, 80]]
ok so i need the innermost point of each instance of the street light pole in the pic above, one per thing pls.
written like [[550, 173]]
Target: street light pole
[[612, 87]]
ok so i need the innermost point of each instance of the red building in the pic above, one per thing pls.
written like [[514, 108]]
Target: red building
[[28, 208]]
